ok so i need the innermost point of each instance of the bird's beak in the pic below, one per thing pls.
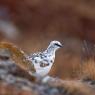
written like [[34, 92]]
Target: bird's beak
[[61, 45]]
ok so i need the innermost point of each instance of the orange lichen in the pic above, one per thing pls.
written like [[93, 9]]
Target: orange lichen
[[19, 56]]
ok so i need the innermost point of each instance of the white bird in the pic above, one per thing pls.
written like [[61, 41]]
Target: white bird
[[43, 61]]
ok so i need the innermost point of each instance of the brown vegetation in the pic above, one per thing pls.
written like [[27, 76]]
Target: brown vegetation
[[18, 56], [88, 70]]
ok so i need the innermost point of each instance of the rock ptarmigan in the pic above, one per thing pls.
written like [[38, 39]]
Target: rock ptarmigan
[[43, 61]]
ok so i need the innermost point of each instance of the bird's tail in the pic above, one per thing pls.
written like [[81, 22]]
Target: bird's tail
[[19, 56]]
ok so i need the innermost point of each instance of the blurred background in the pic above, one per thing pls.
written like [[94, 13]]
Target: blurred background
[[32, 24]]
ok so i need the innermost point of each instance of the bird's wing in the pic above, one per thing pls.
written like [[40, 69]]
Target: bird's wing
[[34, 55], [40, 58]]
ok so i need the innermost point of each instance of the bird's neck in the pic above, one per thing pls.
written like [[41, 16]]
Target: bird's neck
[[50, 50]]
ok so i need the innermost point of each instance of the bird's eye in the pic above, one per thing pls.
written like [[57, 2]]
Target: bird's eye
[[57, 45]]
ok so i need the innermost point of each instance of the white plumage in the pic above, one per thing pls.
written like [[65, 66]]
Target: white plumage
[[43, 61]]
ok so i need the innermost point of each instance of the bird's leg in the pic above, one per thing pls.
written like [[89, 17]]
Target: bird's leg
[[46, 79], [38, 78]]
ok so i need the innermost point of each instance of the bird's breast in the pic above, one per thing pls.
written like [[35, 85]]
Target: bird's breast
[[43, 65], [42, 71]]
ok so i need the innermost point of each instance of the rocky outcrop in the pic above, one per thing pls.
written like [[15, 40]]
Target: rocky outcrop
[[16, 81]]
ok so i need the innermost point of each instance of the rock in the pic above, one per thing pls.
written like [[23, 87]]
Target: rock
[[15, 81]]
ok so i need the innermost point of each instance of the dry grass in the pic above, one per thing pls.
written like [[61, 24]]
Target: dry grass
[[73, 87], [88, 69], [78, 88]]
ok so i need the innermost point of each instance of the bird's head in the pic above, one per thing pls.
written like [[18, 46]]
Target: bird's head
[[55, 45]]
